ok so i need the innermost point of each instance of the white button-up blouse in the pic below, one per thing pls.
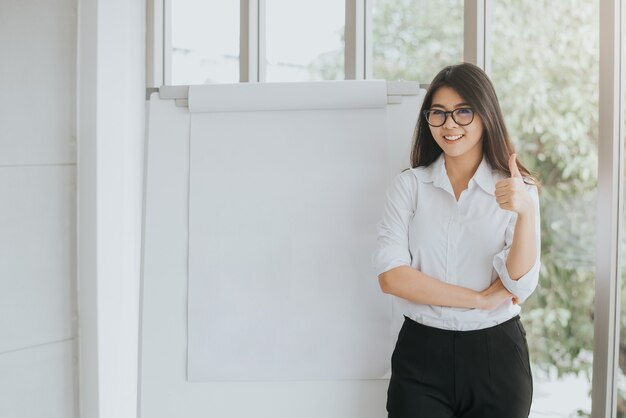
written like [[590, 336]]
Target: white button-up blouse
[[465, 243]]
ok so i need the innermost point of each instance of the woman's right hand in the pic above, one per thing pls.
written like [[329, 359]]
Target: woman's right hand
[[494, 296]]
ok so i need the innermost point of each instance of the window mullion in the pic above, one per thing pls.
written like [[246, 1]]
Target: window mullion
[[154, 43], [355, 40], [167, 42], [368, 33], [609, 213], [477, 29], [252, 41]]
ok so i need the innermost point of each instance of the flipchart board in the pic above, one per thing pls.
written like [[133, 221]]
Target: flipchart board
[[258, 294]]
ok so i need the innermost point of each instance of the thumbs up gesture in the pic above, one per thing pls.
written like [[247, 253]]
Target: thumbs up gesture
[[511, 193]]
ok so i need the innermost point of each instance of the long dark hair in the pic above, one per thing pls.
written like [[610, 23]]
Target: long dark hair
[[474, 86]]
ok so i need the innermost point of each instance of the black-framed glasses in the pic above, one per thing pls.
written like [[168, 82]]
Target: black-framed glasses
[[436, 117]]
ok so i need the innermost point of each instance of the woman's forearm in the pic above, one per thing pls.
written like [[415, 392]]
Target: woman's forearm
[[415, 286], [523, 251]]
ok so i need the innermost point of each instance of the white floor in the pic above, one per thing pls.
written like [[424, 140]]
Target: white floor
[[557, 398]]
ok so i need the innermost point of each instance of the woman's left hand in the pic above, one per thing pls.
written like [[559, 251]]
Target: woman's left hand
[[511, 193]]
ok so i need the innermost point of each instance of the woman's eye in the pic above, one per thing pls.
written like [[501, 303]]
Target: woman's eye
[[464, 111], [437, 112]]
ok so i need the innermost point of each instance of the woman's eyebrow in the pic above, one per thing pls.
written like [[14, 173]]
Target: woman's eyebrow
[[463, 104]]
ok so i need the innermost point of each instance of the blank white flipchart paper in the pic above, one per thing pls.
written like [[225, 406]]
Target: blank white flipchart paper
[[287, 182]]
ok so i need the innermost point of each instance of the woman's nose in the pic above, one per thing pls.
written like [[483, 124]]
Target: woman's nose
[[449, 122]]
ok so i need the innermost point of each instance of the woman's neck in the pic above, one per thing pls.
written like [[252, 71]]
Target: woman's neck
[[462, 168]]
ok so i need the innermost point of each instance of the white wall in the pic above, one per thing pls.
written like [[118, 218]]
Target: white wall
[[57, 198], [111, 101], [37, 209]]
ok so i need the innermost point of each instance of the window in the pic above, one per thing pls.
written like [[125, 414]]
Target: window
[[196, 57], [545, 69], [305, 40], [414, 39]]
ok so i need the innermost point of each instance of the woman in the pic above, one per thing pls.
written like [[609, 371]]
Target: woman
[[459, 245]]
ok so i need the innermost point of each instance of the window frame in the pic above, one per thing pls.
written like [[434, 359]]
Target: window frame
[[609, 213]]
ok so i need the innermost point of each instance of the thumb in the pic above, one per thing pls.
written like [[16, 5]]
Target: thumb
[[513, 166]]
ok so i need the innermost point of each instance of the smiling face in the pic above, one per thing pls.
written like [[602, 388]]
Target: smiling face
[[456, 141]]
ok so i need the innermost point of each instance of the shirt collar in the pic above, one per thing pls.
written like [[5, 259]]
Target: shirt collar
[[437, 174], [484, 177]]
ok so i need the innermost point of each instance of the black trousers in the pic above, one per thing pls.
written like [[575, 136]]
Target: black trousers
[[438, 373]]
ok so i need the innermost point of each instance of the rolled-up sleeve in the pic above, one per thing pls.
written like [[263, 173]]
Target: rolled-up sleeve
[[392, 230], [525, 285]]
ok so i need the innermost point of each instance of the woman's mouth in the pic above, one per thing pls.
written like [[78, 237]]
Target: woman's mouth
[[452, 138]]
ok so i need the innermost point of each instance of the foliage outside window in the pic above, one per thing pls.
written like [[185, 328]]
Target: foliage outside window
[[414, 39], [545, 68]]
